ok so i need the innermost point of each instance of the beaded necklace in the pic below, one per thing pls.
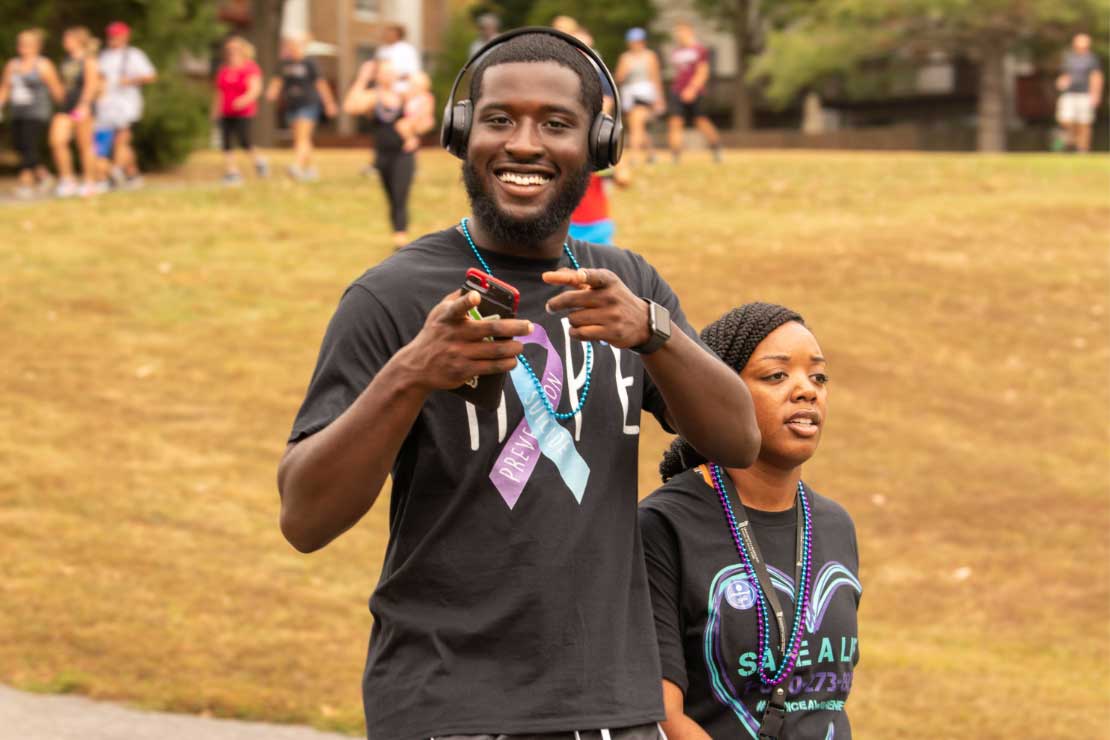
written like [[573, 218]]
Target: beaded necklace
[[560, 415], [801, 597]]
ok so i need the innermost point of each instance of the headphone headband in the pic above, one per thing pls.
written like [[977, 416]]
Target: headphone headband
[[602, 137]]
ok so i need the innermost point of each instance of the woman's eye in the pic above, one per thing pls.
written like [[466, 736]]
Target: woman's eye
[[820, 378], [775, 377]]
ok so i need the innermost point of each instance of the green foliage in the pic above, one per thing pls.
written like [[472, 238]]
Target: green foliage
[[162, 28], [607, 22], [174, 117], [460, 32], [174, 123], [812, 41]]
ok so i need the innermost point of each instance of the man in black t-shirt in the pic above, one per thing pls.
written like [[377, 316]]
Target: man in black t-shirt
[[513, 598]]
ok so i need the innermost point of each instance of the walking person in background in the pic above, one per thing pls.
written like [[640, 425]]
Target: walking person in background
[[28, 84], [489, 25], [74, 122], [124, 70], [304, 94], [234, 105], [724, 546], [691, 75], [401, 54], [641, 92], [591, 221], [1080, 86], [396, 124]]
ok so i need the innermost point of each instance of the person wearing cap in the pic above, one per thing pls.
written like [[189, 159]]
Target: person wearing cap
[[641, 91], [124, 70]]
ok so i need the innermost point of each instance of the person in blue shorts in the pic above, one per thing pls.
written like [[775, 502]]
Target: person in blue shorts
[[304, 94]]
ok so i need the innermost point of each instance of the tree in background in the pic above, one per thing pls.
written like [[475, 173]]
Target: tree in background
[[265, 35], [823, 38], [175, 114], [607, 21]]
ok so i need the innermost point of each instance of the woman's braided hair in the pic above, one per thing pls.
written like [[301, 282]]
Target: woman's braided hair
[[733, 337]]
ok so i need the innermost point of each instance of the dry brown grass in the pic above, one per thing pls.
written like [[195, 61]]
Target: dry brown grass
[[157, 344]]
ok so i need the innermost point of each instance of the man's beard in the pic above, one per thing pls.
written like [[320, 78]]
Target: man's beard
[[528, 232]]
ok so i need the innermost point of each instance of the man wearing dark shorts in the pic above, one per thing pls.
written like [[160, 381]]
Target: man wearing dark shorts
[[1080, 86], [513, 600], [690, 62]]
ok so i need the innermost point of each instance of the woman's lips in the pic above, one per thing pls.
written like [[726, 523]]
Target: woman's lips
[[804, 423], [803, 428]]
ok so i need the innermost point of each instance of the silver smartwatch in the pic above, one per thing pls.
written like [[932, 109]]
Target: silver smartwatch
[[659, 320]]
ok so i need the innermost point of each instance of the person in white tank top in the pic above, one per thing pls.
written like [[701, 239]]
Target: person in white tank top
[[641, 92]]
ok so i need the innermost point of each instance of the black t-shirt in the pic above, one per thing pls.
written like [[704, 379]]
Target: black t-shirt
[[382, 124], [513, 597], [298, 82], [705, 615]]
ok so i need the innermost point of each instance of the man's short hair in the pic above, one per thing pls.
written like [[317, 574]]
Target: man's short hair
[[532, 48]]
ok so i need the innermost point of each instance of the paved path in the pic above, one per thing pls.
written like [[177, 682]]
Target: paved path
[[47, 717]]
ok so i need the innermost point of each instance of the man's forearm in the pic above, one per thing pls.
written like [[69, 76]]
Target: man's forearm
[[708, 402], [330, 480], [684, 728]]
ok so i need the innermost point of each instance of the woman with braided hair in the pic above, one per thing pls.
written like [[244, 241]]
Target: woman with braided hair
[[753, 574]]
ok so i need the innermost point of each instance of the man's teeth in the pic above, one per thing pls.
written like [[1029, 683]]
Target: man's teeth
[[518, 179], [807, 422]]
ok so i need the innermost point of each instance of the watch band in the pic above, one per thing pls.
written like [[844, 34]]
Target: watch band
[[659, 320]]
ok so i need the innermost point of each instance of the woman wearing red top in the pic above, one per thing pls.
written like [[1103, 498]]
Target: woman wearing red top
[[234, 104]]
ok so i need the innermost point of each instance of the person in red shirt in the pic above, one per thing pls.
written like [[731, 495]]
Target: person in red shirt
[[590, 221], [234, 105], [691, 75]]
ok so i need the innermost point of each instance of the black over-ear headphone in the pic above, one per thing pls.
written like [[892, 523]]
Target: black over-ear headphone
[[605, 139]]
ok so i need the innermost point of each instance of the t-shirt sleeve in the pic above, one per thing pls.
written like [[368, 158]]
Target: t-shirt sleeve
[[253, 70], [360, 339], [657, 289], [665, 586], [143, 67]]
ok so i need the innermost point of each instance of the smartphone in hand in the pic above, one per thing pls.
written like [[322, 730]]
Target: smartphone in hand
[[499, 301]]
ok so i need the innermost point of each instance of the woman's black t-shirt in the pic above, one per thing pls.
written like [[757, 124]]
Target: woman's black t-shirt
[[705, 617], [382, 120], [298, 83]]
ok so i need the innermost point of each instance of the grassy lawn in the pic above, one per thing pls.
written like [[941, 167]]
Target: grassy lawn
[[158, 343]]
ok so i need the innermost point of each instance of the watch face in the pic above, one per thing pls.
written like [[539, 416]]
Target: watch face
[[661, 321]]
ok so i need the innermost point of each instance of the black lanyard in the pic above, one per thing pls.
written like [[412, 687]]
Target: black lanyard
[[774, 716], [744, 527]]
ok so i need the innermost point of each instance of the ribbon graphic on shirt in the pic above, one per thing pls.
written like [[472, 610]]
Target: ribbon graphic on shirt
[[538, 431]]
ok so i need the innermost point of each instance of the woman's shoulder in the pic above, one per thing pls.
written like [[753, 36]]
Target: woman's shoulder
[[830, 511], [683, 494]]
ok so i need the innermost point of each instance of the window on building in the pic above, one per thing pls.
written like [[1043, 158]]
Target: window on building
[[368, 9]]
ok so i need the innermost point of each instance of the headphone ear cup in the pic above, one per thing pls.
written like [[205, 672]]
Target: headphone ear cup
[[445, 126], [456, 135], [616, 142], [600, 133]]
